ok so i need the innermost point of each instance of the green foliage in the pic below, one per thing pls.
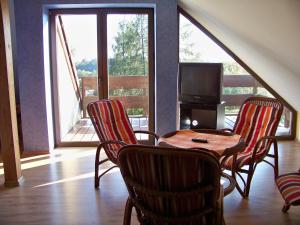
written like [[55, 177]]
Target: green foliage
[[127, 92], [130, 48], [233, 68], [231, 110], [237, 90], [186, 48], [135, 111], [86, 68]]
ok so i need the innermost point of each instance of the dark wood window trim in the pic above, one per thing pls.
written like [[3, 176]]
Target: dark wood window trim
[[247, 68], [102, 59]]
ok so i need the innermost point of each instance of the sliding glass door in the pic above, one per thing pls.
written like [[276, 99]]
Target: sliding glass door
[[108, 55]]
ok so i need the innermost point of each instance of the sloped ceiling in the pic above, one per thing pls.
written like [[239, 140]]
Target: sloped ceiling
[[265, 34]]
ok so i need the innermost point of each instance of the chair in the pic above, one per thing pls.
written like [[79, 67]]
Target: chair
[[289, 187], [256, 122], [172, 186], [114, 130]]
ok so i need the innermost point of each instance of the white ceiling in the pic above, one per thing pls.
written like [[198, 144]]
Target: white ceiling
[[265, 34]]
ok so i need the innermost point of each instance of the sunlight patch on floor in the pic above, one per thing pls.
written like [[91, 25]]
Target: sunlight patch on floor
[[75, 178], [55, 156]]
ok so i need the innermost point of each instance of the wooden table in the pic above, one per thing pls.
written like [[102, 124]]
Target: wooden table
[[219, 142]]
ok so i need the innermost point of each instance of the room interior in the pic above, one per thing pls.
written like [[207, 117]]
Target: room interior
[[53, 186]]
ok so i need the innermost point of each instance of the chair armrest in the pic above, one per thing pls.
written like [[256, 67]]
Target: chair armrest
[[108, 153], [110, 142], [273, 139], [232, 184], [267, 138], [147, 132]]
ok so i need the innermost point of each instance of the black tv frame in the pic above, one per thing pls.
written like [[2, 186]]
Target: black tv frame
[[201, 99]]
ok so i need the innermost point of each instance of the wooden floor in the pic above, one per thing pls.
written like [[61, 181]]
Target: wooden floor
[[83, 131], [58, 189]]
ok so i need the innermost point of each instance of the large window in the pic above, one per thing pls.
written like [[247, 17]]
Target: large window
[[196, 46]]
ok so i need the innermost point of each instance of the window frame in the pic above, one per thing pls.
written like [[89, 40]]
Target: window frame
[[102, 60]]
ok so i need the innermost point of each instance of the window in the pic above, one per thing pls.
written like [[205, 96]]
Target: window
[[196, 45]]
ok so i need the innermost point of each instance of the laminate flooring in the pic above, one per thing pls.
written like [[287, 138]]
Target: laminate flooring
[[58, 190]]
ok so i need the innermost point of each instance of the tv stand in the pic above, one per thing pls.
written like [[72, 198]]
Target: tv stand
[[201, 116]]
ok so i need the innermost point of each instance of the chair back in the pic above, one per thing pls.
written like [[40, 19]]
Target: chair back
[[171, 185], [111, 122], [258, 117]]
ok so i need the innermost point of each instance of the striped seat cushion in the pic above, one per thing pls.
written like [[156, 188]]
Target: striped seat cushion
[[256, 119], [289, 187], [243, 158], [111, 123]]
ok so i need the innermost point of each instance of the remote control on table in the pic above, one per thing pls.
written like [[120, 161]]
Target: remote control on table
[[199, 140]]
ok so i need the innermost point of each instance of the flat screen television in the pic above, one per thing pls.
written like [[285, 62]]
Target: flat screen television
[[200, 82]]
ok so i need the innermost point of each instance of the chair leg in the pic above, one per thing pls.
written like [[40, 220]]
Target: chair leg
[[234, 174], [128, 211], [97, 164], [285, 208], [249, 179], [275, 159]]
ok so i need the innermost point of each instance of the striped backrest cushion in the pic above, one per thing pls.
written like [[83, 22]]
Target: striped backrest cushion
[[111, 122], [258, 117], [164, 181]]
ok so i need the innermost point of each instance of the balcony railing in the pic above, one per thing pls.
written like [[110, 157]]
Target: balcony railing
[[235, 100], [90, 93]]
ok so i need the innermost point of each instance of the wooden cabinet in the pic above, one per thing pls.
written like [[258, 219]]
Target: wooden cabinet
[[201, 116]]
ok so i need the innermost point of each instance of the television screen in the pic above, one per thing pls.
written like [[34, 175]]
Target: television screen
[[200, 82]]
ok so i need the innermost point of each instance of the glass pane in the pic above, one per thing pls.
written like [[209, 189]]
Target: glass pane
[[128, 65], [195, 46], [238, 84], [77, 74]]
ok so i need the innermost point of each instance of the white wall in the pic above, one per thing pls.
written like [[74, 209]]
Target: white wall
[[69, 108], [34, 77], [265, 34]]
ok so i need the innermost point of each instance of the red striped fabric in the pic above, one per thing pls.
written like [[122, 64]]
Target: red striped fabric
[[111, 123], [163, 173], [256, 119], [289, 187]]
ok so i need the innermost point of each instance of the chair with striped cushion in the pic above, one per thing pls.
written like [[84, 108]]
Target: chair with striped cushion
[[256, 122], [289, 187], [114, 130], [173, 186]]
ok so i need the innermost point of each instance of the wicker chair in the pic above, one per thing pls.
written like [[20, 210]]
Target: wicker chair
[[256, 122], [114, 130], [289, 187], [172, 186]]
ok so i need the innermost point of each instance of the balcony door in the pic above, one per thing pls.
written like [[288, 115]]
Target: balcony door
[[101, 54]]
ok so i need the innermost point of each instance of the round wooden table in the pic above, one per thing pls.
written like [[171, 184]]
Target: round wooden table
[[219, 142]]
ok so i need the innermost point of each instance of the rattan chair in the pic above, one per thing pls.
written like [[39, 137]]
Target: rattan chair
[[256, 122], [289, 187], [114, 130], [172, 186]]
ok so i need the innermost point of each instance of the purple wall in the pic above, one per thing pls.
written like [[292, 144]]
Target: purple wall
[[36, 116]]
